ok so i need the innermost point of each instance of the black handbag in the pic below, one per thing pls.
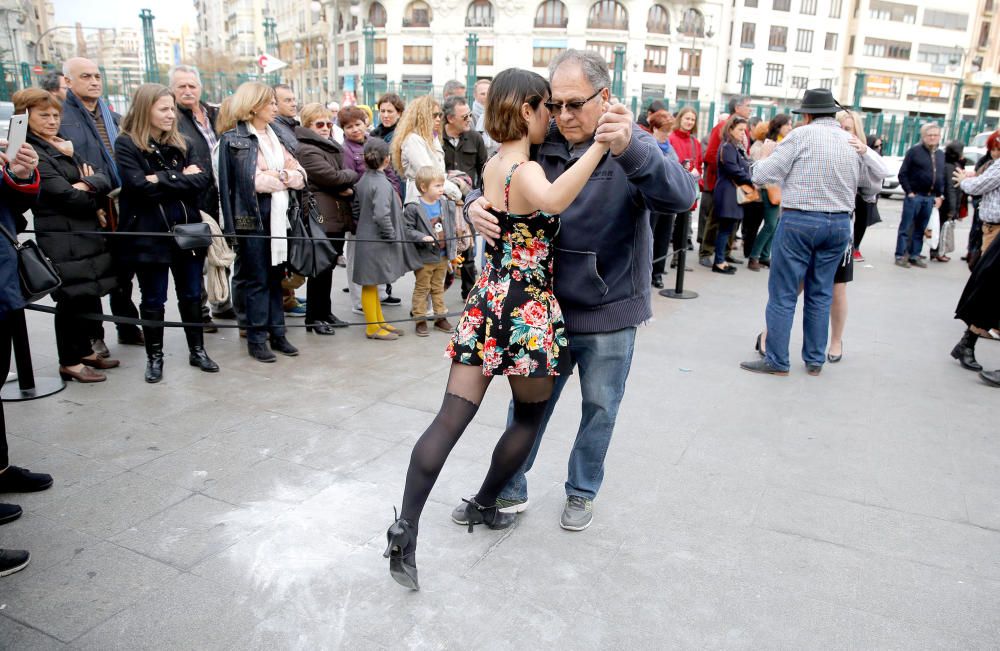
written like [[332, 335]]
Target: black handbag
[[310, 252], [38, 275], [189, 236]]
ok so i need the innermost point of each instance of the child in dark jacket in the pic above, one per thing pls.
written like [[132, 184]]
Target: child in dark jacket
[[431, 222]]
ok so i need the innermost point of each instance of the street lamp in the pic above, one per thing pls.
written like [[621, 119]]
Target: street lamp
[[689, 24]]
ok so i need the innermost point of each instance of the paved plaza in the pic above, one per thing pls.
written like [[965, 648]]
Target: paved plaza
[[247, 510]]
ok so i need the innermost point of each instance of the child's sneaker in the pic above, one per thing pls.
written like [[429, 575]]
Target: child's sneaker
[[422, 330]]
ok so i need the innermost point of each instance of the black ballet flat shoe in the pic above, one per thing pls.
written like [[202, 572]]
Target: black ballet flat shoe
[[402, 552], [658, 283], [833, 359], [491, 516]]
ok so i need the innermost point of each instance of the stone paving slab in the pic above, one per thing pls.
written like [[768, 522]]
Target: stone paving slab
[[247, 510]]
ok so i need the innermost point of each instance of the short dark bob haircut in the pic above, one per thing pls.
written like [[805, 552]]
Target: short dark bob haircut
[[509, 91]]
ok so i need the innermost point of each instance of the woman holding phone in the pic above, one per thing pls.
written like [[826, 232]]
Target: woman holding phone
[[70, 199]]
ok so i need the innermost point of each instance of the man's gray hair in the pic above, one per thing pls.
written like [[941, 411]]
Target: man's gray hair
[[593, 65], [451, 106], [737, 101], [927, 127], [183, 68], [451, 86], [51, 82]]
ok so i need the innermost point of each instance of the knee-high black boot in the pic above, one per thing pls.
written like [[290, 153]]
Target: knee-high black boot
[[965, 351], [153, 336], [191, 313]]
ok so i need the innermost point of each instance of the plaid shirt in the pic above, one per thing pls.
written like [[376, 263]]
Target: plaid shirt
[[819, 171], [986, 184]]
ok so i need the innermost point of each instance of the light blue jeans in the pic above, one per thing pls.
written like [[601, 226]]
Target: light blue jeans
[[603, 361], [808, 247]]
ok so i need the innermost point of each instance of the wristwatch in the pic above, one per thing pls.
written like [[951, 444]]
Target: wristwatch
[[283, 176]]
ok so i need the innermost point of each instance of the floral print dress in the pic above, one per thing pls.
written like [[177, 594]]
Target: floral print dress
[[512, 324]]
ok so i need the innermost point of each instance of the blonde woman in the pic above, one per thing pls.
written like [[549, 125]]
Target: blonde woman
[[417, 143], [255, 175], [161, 187]]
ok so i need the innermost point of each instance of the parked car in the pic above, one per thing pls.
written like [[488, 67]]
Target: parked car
[[976, 148], [6, 111], [890, 184]]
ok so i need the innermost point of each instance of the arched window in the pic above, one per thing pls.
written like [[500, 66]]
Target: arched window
[[607, 14], [376, 15], [551, 13], [693, 23], [658, 20], [417, 14], [479, 14]]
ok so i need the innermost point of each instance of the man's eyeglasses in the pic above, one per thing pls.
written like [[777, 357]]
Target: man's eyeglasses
[[466, 117], [322, 125], [573, 107]]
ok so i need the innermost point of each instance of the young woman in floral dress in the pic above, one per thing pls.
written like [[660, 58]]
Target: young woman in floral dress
[[512, 323]]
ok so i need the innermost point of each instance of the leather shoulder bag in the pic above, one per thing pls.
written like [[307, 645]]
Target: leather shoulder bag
[[38, 275]]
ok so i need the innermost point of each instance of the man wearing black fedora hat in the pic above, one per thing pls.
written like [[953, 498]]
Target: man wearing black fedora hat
[[820, 168]]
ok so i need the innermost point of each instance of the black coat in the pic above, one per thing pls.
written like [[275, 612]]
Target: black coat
[[147, 207], [83, 261], [323, 161], [468, 157], [201, 153], [734, 169]]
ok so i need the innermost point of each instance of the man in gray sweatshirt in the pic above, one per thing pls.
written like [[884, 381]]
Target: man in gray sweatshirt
[[603, 262]]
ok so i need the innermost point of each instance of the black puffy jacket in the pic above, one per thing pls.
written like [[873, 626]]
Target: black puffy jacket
[[83, 261]]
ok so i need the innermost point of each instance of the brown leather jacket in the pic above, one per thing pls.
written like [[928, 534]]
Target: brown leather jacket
[[329, 181]]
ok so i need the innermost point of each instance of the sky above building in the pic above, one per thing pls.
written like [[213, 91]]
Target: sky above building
[[169, 14]]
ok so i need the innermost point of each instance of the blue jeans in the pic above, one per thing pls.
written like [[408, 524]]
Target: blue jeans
[[916, 213], [153, 278], [257, 290], [726, 227], [808, 246], [603, 361]]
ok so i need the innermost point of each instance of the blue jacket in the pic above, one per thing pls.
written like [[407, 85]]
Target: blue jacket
[[15, 197], [78, 127], [918, 174], [604, 251], [734, 169]]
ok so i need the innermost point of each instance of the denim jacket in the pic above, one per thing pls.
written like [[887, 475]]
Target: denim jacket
[[241, 206]]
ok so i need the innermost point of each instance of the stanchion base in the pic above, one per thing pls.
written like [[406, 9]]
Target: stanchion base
[[44, 386], [673, 293]]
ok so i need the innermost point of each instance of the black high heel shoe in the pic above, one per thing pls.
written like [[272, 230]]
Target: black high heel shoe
[[402, 552], [491, 516], [758, 346]]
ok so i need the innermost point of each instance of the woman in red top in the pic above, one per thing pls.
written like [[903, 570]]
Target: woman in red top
[[684, 140]]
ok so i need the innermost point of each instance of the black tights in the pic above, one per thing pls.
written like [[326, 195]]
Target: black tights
[[466, 387]]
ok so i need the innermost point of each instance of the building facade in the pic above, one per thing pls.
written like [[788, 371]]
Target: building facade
[[793, 45], [923, 59]]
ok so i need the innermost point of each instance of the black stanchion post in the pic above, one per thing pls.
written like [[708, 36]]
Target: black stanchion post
[[28, 386], [678, 290]]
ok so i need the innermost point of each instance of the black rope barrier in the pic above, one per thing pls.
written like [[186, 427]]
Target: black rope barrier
[[127, 320]]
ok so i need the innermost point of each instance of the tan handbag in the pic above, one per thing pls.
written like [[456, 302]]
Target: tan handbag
[[746, 194]]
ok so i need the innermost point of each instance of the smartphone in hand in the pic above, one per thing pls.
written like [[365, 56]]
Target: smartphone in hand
[[17, 134]]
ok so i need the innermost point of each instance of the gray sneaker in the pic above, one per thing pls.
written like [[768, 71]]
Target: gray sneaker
[[903, 262], [577, 514], [917, 262], [706, 262]]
